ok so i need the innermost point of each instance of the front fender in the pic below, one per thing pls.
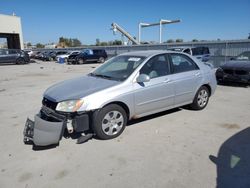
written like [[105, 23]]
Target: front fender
[[101, 99]]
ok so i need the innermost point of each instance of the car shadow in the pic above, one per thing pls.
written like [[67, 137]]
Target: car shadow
[[233, 84], [11, 64], [233, 161], [76, 136], [153, 116], [41, 148]]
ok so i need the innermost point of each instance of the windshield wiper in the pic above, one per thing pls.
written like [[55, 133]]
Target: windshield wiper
[[101, 76]]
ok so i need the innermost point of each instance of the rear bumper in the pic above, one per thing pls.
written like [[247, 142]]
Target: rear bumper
[[48, 127]]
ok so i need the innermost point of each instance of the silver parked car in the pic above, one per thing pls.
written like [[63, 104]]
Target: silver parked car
[[199, 52], [128, 86]]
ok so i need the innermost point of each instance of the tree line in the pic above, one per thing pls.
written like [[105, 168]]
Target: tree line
[[74, 42]]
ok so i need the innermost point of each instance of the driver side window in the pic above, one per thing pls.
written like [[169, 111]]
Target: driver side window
[[156, 67]]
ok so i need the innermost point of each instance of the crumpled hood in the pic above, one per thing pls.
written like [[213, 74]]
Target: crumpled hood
[[245, 65], [77, 88]]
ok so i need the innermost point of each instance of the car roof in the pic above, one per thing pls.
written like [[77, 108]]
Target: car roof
[[146, 53]]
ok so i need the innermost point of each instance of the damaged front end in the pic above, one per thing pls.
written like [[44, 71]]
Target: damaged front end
[[49, 126]]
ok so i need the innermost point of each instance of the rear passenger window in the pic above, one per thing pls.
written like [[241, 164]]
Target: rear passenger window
[[188, 51], [182, 63]]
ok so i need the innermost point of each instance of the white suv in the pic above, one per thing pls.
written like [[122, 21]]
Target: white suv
[[65, 56]]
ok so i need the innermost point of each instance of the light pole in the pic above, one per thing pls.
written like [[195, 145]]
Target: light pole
[[139, 30], [160, 23], [160, 34]]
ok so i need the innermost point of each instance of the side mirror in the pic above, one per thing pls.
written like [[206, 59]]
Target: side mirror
[[143, 78]]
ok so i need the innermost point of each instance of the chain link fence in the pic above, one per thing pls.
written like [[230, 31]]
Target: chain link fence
[[221, 51]]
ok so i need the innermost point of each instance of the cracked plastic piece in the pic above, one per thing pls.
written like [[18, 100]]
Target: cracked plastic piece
[[42, 132]]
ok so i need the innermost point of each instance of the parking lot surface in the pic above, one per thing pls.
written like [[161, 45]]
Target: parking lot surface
[[177, 148]]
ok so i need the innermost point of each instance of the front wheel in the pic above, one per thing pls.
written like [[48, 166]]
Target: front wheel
[[80, 61], [20, 61], [109, 122], [201, 99]]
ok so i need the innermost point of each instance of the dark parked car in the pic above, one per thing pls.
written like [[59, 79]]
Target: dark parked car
[[51, 55], [47, 56], [13, 56], [98, 55], [42, 55], [200, 52], [55, 54], [236, 70], [36, 54]]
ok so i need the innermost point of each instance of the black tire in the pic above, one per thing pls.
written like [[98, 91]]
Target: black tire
[[80, 61], [101, 60], [20, 61], [100, 122], [201, 99]]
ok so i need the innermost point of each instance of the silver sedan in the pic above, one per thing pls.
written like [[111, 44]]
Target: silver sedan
[[128, 86]]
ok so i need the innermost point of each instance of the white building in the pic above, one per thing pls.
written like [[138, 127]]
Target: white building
[[11, 29]]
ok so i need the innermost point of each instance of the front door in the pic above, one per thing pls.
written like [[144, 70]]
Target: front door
[[157, 94]]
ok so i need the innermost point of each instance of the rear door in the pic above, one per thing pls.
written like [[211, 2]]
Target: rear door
[[89, 55], [186, 78], [158, 93], [97, 54]]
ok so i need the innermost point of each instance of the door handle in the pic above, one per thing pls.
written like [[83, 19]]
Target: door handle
[[167, 80], [198, 74]]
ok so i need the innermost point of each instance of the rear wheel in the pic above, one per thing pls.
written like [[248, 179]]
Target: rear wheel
[[109, 122], [201, 99], [101, 60]]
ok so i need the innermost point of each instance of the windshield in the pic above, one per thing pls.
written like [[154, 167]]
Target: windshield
[[245, 56], [118, 68]]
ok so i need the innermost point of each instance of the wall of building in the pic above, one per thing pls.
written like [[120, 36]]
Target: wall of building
[[11, 25]]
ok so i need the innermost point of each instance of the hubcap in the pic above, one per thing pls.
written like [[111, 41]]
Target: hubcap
[[202, 98], [81, 61], [112, 123], [101, 60]]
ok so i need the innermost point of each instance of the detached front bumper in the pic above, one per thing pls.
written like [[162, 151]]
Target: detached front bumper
[[43, 133], [48, 127]]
